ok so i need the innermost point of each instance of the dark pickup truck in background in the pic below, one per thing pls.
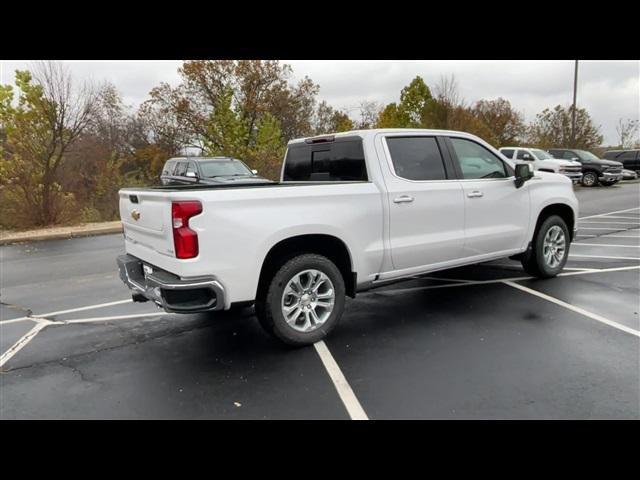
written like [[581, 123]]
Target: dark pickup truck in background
[[630, 159], [594, 170]]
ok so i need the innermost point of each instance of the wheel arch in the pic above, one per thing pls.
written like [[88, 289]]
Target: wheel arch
[[563, 210], [326, 245]]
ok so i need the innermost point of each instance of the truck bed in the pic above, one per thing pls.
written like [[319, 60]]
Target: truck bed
[[223, 186]]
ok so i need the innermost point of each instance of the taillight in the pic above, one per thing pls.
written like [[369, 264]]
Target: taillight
[[185, 240]]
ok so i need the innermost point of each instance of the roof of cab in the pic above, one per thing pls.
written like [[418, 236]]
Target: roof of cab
[[375, 131], [199, 159]]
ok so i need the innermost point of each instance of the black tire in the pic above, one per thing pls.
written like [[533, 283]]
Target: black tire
[[533, 261], [268, 306], [590, 179], [607, 184]]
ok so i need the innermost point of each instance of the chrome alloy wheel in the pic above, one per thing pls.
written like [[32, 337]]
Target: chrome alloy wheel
[[308, 300], [554, 246]]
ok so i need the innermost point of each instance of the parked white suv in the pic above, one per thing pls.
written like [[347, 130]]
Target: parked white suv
[[352, 211], [544, 161]]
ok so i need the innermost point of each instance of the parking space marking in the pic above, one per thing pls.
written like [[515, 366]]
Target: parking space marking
[[616, 229], [606, 235], [609, 213], [579, 310], [575, 255], [604, 245], [80, 309], [115, 317], [501, 280], [45, 316], [22, 342], [349, 399], [609, 223]]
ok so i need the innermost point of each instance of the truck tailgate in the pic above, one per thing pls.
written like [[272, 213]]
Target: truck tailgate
[[146, 218]]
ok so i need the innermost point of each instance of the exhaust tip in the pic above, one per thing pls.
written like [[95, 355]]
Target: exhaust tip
[[138, 297]]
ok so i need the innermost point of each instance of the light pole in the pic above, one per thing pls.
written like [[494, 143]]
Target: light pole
[[573, 110]]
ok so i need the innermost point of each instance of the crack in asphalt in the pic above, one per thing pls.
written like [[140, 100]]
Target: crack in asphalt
[[11, 306], [137, 340]]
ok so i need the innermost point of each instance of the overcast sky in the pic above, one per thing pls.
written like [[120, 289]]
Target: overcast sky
[[608, 89]]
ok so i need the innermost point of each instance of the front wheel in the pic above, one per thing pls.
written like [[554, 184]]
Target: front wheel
[[304, 300], [590, 179], [549, 249]]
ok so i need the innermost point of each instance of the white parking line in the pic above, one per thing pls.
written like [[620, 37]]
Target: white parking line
[[606, 235], [575, 255], [610, 213], [80, 309], [579, 310], [604, 245], [501, 280], [115, 317], [349, 399], [608, 223], [616, 229], [616, 216], [22, 342]]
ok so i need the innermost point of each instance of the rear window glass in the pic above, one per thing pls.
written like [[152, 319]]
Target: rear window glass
[[340, 160]]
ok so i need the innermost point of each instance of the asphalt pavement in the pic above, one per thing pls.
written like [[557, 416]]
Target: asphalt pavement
[[483, 341]]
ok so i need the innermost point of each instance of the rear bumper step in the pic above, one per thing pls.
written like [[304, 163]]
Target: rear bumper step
[[197, 294]]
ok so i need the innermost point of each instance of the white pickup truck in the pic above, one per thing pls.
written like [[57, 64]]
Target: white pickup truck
[[544, 162], [352, 211]]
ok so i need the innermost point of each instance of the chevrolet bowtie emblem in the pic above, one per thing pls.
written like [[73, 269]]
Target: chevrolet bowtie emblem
[[135, 214]]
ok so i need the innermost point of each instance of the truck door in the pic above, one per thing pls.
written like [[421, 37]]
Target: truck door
[[426, 202], [496, 212]]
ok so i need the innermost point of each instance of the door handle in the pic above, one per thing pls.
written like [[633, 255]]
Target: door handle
[[403, 199], [475, 194]]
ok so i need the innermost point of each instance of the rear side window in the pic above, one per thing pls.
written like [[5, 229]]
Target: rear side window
[[476, 162], [168, 167], [340, 160], [416, 158], [507, 152], [631, 155], [181, 169]]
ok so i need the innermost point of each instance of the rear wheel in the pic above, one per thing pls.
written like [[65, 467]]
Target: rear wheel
[[590, 179], [304, 300], [549, 249]]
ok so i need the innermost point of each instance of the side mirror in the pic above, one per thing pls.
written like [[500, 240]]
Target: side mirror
[[255, 172], [523, 173], [575, 159], [191, 175], [526, 156]]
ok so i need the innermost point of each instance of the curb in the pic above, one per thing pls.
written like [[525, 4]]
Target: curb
[[36, 237]]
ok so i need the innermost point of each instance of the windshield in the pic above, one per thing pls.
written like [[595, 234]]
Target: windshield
[[541, 154], [224, 168], [586, 155]]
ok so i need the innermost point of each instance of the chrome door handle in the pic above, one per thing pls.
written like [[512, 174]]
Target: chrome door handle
[[403, 199], [475, 194]]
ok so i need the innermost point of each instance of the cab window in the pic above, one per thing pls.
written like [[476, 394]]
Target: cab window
[[476, 162], [416, 158]]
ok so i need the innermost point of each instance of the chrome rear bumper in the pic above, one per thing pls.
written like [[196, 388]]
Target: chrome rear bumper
[[172, 293]]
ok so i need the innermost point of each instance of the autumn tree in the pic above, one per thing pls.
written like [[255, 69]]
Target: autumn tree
[[411, 111], [329, 120], [552, 128], [505, 125], [369, 113], [49, 116], [627, 133]]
